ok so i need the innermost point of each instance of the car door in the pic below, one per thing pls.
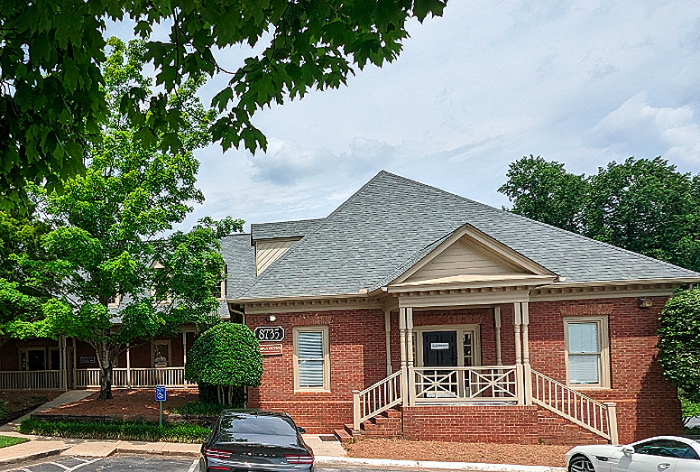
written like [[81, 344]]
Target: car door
[[656, 455]]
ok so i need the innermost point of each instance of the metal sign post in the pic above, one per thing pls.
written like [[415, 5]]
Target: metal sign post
[[161, 396]]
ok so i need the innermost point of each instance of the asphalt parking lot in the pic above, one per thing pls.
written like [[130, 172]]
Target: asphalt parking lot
[[120, 463]]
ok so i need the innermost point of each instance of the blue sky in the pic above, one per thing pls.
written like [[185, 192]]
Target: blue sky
[[581, 82]]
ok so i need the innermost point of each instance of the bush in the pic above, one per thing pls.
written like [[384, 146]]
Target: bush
[[205, 409], [208, 393], [226, 357], [126, 431], [679, 342]]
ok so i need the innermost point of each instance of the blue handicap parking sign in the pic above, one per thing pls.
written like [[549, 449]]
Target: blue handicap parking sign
[[160, 393]]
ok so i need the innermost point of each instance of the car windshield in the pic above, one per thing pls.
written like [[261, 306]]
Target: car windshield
[[241, 425]]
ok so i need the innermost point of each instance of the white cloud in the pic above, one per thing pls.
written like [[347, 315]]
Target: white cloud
[[639, 128]]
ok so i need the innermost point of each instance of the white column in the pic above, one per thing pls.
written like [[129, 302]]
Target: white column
[[519, 374], [404, 365], [409, 352], [527, 369], [62, 345], [184, 356], [128, 365], [387, 334], [75, 363], [497, 322]]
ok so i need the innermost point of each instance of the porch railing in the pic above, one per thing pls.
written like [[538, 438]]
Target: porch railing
[[377, 398], [134, 377], [456, 384], [30, 380], [599, 418]]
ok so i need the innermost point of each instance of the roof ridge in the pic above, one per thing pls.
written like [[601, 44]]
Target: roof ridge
[[287, 221]]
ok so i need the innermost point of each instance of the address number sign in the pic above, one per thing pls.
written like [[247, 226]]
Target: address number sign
[[269, 333]]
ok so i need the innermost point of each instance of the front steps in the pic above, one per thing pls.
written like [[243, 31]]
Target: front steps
[[388, 424], [550, 429]]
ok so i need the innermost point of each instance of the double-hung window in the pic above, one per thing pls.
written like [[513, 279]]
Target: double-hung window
[[311, 363], [587, 351]]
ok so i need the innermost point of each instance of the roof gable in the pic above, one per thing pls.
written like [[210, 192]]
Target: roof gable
[[469, 255]]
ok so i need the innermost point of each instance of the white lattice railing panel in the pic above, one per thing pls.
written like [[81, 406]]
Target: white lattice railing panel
[[134, 377], [490, 383]]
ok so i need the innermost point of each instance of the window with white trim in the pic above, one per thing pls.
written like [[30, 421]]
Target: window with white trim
[[587, 351], [311, 363]]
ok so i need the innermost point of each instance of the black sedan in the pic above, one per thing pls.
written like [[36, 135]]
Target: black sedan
[[258, 441]]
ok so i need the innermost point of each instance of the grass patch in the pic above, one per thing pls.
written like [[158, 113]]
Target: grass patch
[[6, 441], [204, 409], [126, 431]]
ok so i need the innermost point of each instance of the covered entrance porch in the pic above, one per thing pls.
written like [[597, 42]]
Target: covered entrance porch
[[465, 360]]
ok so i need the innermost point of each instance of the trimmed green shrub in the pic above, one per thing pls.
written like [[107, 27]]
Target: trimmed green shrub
[[679, 342], [227, 357], [205, 409], [127, 431]]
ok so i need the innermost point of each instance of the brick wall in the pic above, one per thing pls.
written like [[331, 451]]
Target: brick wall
[[357, 360], [647, 404], [499, 424]]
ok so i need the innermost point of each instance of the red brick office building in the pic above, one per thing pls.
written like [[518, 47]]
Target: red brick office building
[[410, 311]]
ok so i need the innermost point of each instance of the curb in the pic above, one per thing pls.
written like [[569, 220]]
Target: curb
[[474, 466], [34, 456]]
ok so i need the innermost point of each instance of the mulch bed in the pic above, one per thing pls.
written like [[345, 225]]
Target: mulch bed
[[19, 402], [126, 405], [540, 454]]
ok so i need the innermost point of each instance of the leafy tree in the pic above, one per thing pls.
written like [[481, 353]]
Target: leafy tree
[[51, 76], [23, 290], [679, 342], [545, 192], [108, 230], [644, 205], [226, 356]]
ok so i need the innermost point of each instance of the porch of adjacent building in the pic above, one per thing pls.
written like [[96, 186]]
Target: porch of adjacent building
[[440, 365], [63, 364]]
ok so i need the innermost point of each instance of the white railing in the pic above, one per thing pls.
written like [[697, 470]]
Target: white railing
[[459, 384], [30, 380], [377, 398], [599, 418], [135, 377]]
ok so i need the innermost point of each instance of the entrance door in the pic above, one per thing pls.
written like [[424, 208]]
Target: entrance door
[[440, 349], [36, 359]]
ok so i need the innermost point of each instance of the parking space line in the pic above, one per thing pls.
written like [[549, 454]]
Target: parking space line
[[193, 466], [60, 465]]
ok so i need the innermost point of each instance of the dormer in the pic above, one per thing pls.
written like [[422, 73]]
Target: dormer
[[273, 240]]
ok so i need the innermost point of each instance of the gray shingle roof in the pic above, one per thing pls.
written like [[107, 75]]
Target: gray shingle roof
[[284, 229], [392, 222], [239, 257]]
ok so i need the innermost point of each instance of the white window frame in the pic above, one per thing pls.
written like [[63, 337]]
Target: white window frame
[[474, 329], [326, 358], [603, 345]]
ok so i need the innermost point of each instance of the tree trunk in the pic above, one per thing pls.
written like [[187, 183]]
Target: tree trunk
[[105, 374]]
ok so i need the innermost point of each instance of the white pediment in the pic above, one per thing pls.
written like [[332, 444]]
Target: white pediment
[[469, 256], [463, 258]]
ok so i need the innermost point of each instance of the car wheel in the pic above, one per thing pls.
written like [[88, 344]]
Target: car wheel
[[581, 464]]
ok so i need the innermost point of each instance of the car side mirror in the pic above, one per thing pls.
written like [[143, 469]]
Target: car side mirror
[[627, 450], [301, 430]]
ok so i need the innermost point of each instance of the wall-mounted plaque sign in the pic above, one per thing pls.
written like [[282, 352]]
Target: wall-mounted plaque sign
[[269, 333], [439, 346], [87, 360], [271, 349]]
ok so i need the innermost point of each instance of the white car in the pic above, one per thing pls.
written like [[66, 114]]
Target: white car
[[659, 454]]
